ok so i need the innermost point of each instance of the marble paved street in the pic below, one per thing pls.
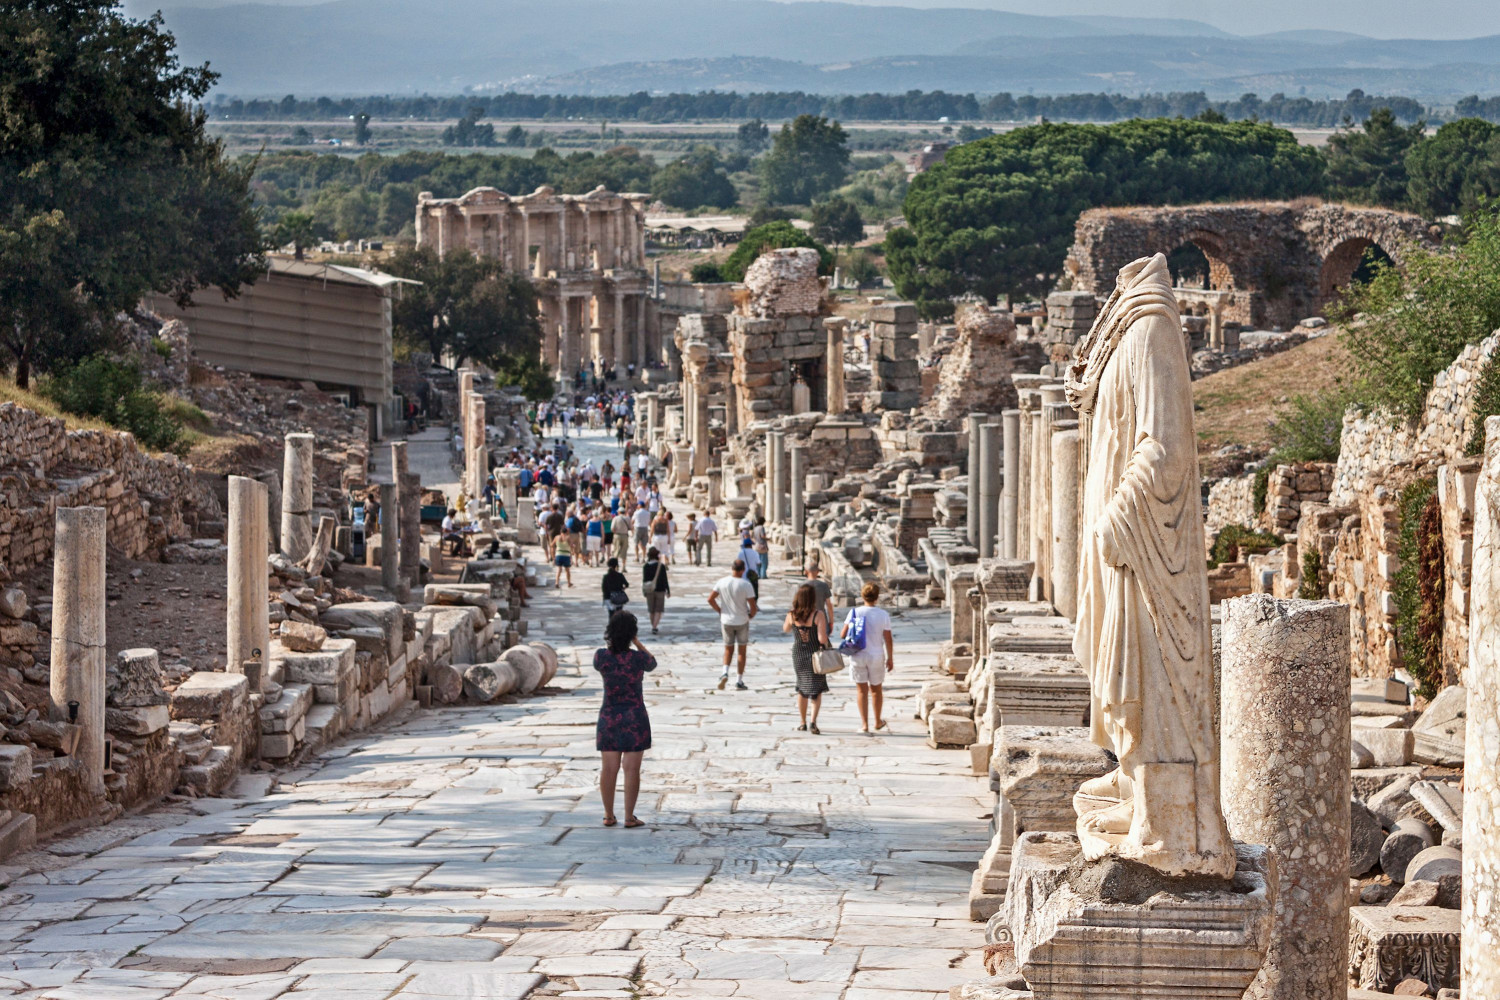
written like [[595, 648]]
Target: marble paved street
[[458, 852]]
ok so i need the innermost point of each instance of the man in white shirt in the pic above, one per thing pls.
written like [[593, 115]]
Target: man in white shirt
[[734, 599], [707, 529], [642, 519]]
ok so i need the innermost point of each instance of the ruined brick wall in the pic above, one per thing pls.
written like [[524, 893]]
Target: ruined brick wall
[[1288, 487], [975, 373], [1280, 261], [150, 499]]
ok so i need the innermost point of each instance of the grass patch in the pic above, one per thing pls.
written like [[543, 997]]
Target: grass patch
[[1240, 405], [12, 393]]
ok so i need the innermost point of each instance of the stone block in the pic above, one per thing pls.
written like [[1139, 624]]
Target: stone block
[[142, 721], [1119, 930], [207, 695], [1388, 747], [277, 746], [949, 729], [899, 313], [301, 637], [1037, 770], [15, 766], [283, 715], [329, 665], [384, 615], [17, 833], [1390, 944]]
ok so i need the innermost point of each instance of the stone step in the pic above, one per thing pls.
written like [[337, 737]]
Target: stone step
[[17, 832], [323, 724], [213, 775]]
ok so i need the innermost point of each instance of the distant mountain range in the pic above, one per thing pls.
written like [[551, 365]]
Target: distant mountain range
[[347, 47]]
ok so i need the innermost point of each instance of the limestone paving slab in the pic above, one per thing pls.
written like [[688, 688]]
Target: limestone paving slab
[[458, 852]]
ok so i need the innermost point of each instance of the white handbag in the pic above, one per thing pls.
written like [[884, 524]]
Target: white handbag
[[827, 661]]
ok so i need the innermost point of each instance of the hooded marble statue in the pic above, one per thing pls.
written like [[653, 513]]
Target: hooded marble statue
[[1143, 627]]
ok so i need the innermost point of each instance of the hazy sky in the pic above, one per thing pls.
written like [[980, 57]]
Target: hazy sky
[[1377, 18]]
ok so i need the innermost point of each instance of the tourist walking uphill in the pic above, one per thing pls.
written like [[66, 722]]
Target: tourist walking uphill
[[655, 585], [624, 731]]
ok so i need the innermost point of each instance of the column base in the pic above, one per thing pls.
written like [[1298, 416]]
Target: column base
[[1122, 930]]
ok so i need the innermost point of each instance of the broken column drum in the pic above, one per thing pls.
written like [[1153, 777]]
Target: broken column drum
[[1010, 422], [989, 488], [1480, 920], [834, 363], [78, 641], [249, 623], [971, 520], [1286, 782], [297, 497], [1064, 514]]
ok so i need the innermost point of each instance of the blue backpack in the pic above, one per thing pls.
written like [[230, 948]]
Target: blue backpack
[[854, 642]]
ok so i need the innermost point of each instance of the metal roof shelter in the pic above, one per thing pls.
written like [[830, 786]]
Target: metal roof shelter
[[326, 323]]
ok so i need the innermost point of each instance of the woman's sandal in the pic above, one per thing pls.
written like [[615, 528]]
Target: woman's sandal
[[815, 730], [610, 821], [882, 725], [632, 823], [802, 728]]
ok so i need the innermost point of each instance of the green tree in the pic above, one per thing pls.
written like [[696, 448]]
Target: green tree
[[1405, 325], [515, 136], [837, 222], [109, 183], [753, 136], [772, 236], [297, 229], [361, 128], [997, 215], [1368, 165], [695, 180], [467, 305], [809, 159], [1453, 171]]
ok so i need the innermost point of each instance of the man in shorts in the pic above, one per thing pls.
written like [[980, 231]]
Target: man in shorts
[[621, 527], [734, 599], [642, 521]]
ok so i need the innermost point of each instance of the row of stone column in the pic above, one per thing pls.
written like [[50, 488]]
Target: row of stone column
[[786, 482]]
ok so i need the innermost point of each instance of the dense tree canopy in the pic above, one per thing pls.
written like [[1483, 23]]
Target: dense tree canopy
[[1368, 165], [695, 181], [467, 305], [772, 236], [1454, 170], [997, 216], [837, 221], [809, 158], [109, 184]]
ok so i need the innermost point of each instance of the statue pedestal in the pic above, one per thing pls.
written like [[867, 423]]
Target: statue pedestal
[[1121, 930]]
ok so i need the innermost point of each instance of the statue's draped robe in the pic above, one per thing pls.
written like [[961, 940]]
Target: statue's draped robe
[[1143, 623]]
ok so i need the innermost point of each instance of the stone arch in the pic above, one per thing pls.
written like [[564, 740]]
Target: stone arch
[[1221, 273], [1343, 260]]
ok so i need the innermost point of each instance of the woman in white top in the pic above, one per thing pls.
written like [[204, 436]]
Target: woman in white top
[[868, 667]]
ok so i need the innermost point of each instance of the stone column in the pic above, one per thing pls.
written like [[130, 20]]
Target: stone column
[[834, 363], [1010, 423], [297, 497], [1039, 477], [988, 521], [799, 486], [1024, 458], [411, 513], [465, 390], [390, 544], [778, 477], [1285, 780], [972, 470], [479, 446], [1480, 921], [1065, 518], [249, 623], [700, 431], [618, 347], [1052, 393], [78, 632]]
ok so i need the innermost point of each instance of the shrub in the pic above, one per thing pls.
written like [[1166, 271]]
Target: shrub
[[1405, 326], [1486, 403], [1306, 429], [1237, 538], [1312, 586], [772, 236], [113, 391], [1418, 585], [706, 271]]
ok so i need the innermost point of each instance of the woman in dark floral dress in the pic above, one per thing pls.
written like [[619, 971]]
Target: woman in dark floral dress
[[624, 733], [809, 628]]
